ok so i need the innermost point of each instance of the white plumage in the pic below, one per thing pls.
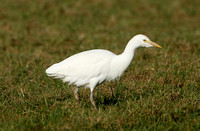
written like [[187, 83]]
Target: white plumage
[[90, 68]]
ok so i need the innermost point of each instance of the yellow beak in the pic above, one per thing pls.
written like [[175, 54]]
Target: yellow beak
[[153, 43]]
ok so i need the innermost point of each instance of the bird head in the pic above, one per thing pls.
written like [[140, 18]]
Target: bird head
[[144, 41]]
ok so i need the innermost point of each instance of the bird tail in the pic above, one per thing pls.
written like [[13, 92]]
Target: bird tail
[[53, 71], [50, 70]]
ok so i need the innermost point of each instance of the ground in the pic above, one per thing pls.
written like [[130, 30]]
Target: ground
[[160, 89]]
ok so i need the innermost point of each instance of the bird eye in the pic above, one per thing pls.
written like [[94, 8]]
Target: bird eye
[[144, 40]]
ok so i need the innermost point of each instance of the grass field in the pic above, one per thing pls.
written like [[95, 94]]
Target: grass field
[[159, 91]]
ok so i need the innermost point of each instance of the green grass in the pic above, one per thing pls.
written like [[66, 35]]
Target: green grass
[[159, 91]]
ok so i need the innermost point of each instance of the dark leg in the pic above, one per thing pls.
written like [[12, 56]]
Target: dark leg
[[112, 90]]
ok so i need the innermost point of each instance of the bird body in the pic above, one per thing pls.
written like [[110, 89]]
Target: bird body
[[90, 68], [84, 67]]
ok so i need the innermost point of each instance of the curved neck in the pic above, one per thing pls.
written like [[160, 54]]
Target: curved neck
[[126, 57], [121, 62], [130, 47]]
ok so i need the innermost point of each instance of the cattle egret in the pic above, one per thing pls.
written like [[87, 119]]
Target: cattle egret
[[93, 67]]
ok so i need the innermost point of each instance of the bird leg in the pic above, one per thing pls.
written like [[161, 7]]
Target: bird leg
[[112, 91], [76, 93], [92, 100], [115, 85]]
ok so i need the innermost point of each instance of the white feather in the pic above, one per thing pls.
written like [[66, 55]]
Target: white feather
[[90, 68]]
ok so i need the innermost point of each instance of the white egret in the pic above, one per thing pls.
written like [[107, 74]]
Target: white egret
[[93, 67]]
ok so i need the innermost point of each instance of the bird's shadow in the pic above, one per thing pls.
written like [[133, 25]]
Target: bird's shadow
[[107, 101], [115, 98]]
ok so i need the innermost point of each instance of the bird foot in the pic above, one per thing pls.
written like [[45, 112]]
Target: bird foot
[[76, 96], [93, 103]]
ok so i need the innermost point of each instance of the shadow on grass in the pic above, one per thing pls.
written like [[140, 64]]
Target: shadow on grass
[[109, 101]]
